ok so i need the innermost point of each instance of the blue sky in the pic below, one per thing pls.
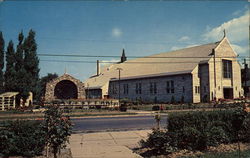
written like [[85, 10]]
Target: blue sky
[[105, 27]]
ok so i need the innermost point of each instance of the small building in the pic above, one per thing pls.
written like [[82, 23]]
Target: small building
[[64, 87], [195, 74], [8, 100]]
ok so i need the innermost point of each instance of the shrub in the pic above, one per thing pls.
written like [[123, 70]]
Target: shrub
[[198, 130], [156, 108], [200, 120], [188, 138], [215, 136], [244, 133], [123, 108], [57, 129], [160, 142], [23, 138]]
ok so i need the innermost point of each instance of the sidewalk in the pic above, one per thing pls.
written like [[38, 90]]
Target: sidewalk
[[106, 144]]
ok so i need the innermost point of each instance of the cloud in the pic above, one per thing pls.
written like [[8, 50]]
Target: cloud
[[184, 38], [237, 30], [237, 12], [208, 28], [108, 62], [175, 48], [241, 50], [181, 47], [116, 32]]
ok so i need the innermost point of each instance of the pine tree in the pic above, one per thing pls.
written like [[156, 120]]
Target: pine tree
[[31, 63], [42, 84], [1, 63], [10, 73], [22, 79], [19, 53]]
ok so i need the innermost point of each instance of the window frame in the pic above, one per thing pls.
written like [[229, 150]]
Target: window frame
[[227, 67]]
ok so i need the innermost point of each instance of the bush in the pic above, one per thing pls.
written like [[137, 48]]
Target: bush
[[216, 136], [244, 133], [123, 108], [156, 108], [57, 129], [160, 142], [188, 138], [229, 120], [24, 138], [198, 130]]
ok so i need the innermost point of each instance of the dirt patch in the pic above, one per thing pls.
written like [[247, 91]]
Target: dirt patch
[[65, 153], [145, 152], [229, 147]]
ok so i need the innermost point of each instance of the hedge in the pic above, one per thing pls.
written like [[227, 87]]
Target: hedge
[[24, 138], [199, 130]]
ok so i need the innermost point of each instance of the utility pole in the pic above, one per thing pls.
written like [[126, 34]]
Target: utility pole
[[213, 51], [119, 92], [87, 91], [245, 77]]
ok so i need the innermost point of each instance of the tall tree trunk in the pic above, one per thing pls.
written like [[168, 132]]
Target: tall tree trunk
[[55, 152]]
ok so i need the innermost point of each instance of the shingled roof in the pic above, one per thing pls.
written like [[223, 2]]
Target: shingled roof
[[175, 62]]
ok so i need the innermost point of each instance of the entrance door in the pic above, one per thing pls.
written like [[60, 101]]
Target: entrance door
[[228, 93]]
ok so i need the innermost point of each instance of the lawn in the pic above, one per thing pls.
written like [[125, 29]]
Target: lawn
[[9, 116]]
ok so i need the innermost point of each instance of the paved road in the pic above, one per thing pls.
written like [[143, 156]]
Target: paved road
[[115, 123]]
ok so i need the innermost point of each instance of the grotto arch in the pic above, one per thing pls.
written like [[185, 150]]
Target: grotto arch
[[64, 87]]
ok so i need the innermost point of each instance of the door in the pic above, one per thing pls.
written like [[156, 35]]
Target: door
[[228, 93]]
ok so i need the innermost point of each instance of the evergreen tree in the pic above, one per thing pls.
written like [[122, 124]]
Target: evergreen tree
[[31, 63], [42, 84], [19, 53], [1, 63], [22, 79], [10, 73]]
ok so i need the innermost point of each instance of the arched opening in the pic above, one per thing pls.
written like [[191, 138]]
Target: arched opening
[[65, 89]]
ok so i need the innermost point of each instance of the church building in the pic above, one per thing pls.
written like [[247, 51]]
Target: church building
[[195, 74]]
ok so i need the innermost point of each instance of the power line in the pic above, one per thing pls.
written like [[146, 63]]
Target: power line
[[109, 62], [114, 56], [112, 41]]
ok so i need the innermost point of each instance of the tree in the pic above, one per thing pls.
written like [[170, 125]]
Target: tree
[[10, 73], [57, 129], [42, 84], [1, 62], [19, 52], [31, 63], [22, 84]]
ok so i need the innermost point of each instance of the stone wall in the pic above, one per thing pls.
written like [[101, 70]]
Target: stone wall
[[50, 87]]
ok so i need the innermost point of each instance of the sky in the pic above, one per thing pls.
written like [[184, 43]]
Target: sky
[[104, 28]]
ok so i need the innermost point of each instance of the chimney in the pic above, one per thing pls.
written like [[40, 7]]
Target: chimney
[[97, 68]]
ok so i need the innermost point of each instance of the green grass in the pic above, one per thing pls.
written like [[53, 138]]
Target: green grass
[[101, 114], [39, 115], [170, 106], [234, 154], [14, 112]]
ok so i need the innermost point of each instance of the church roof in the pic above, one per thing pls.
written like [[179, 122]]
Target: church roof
[[175, 62]]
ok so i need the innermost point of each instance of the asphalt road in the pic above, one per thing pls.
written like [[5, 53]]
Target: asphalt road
[[120, 123]]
